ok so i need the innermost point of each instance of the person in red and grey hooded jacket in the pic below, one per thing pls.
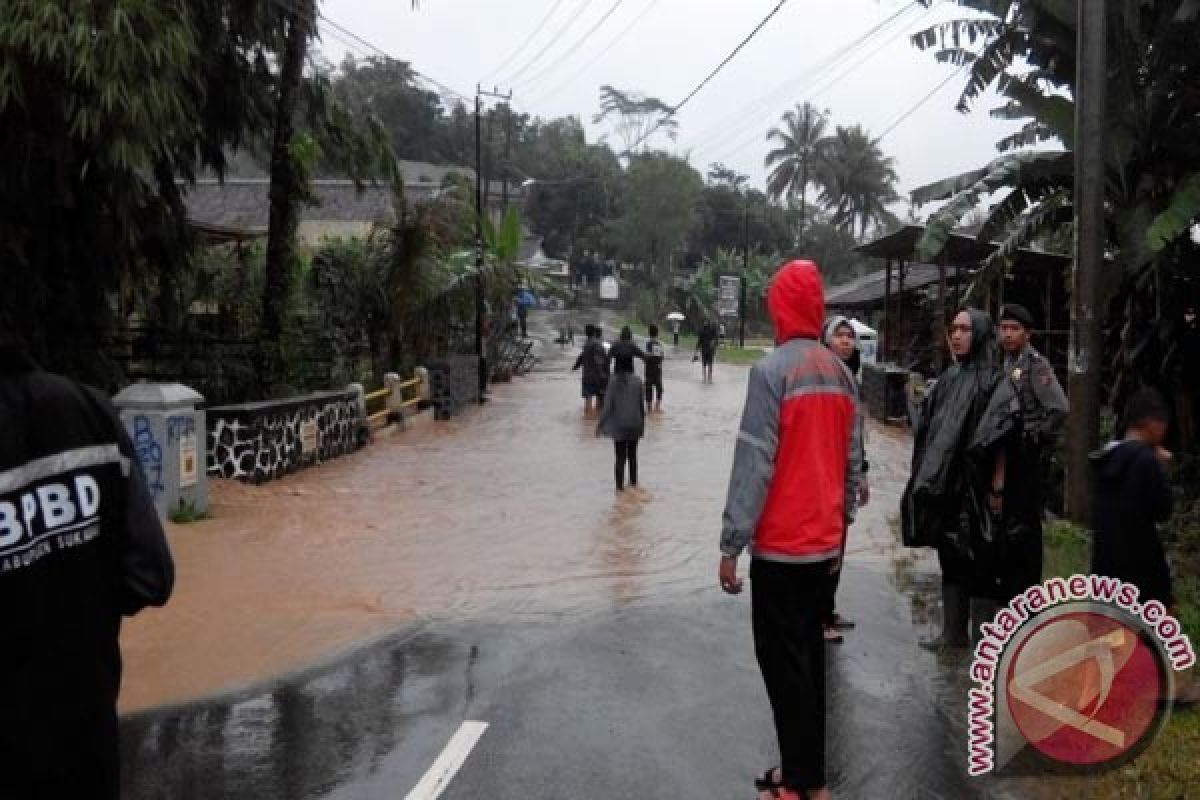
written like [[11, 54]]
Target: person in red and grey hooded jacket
[[793, 488]]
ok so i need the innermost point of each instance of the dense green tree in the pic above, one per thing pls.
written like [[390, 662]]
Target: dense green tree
[[659, 211], [104, 108], [413, 116], [577, 186], [728, 219]]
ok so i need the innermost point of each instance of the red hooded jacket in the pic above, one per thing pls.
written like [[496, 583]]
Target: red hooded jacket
[[797, 462]]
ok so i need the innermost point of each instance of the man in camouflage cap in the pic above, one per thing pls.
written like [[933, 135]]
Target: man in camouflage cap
[[1019, 497]]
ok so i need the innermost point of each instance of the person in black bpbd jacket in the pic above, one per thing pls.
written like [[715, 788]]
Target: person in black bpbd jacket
[[80, 547]]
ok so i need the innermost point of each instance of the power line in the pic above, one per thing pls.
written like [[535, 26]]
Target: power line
[[710, 76], [574, 48], [294, 7], [902, 34], [447, 89], [538, 29], [556, 37], [754, 128], [759, 110], [900, 120], [727, 150], [564, 83]]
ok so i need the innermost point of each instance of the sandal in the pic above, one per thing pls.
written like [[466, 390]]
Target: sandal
[[768, 781], [775, 789], [841, 623]]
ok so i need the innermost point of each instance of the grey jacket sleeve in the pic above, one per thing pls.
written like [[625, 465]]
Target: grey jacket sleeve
[[753, 464], [147, 570], [855, 456]]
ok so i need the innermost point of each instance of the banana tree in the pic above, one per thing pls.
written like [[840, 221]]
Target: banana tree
[[1026, 50]]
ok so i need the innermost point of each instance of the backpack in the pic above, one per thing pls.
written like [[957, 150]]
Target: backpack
[[600, 357]]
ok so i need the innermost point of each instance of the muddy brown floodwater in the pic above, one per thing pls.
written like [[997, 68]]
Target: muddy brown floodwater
[[509, 508]]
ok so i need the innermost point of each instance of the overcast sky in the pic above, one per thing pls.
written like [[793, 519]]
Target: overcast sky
[[665, 47]]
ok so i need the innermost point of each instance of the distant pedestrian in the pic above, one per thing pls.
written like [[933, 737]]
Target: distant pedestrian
[[81, 546], [675, 332], [523, 319], [792, 488], [840, 337], [625, 347], [1132, 499], [706, 347], [623, 418], [655, 354], [594, 361]]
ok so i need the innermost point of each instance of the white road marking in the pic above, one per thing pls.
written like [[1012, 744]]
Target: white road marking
[[449, 762]]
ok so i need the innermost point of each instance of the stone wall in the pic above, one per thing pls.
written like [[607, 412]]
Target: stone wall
[[454, 382], [257, 442]]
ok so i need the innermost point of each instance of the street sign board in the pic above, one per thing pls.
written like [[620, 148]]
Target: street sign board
[[727, 295]]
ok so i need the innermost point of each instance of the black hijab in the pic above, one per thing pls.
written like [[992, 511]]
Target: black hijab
[[946, 469]]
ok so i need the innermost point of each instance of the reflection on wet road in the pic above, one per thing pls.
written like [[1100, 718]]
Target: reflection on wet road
[[503, 580]]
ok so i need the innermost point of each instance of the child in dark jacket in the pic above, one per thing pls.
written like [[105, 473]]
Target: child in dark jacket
[[595, 363], [1132, 498], [623, 418]]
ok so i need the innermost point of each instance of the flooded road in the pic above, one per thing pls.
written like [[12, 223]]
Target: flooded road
[[508, 509], [344, 623]]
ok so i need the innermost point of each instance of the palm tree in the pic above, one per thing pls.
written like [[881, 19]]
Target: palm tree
[[795, 161], [857, 180]]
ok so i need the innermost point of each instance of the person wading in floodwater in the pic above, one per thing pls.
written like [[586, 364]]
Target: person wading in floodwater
[[594, 361], [623, 418], [706, 348], [655, 354], [793, 485]]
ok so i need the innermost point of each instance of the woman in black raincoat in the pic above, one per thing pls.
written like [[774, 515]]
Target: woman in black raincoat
[[952, 492]]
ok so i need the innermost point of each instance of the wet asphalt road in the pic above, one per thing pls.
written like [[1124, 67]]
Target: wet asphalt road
[[609, 668]]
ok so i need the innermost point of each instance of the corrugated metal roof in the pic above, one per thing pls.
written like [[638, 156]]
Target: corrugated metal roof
[[960, 250], [243, 204], [869, 289]]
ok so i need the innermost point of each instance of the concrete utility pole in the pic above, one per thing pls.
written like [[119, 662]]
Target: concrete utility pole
[[480, 93], [745, 271], [1086, 347]]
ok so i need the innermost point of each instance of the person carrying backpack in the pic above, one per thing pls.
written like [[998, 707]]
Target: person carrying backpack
[[655, 354]]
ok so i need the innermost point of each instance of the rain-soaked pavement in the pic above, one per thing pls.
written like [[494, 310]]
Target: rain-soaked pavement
[[333, 630]]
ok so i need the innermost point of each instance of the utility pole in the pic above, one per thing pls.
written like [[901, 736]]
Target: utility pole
[[1084, 359], [508, 133], [745, 270], [480, 354]]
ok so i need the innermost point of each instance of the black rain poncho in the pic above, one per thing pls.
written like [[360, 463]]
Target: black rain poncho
[[961, 424]]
